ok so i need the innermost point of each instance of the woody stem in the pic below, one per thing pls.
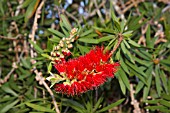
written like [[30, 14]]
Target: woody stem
[[120, 38]]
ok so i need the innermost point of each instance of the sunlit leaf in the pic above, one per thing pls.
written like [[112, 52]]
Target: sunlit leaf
[[31, 9]]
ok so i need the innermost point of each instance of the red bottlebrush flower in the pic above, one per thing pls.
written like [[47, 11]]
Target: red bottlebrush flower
[[86, 72], [66, 53]]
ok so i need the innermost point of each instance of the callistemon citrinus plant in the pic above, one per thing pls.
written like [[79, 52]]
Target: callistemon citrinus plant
[[84, 73]]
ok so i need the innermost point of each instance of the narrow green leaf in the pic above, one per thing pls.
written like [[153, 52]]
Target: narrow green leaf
[[122, 25], [139, 87], [50, 67], [149, 81], [116, 26], [56, 32], [89, 40], [144, 52], [5, 99], [9, 106], [55, 39], [65, 22], [35, 112], [37, 64], [134, 24], [89, 36], [7, 89], [148, 38], [123, 65], [164, 80], [24, 110], [89, 107], [14, 86], [28, 101], [133, 43], [143, 62], [74, 104], [25, 63], [142, 55], [129, 17], [165, 96], [122, 85], [124, 78], [123, 48], [167, 28], [39, 108], [138, 75], [66, 32], [129, 56], [31, 9], [165, 61], [106, 38], [45, 55], [4, 27], [50, 44], [118, 57], [134, 67], [26, 3], [86, 33], [37, 48], [106, 30], [114, 18], [152, 101], [83, 49], [157, 81], [127, 34], [97, 104], [111, 44], [127, 45], [111, 105], [165, 103], [153, 108], [1, 7]]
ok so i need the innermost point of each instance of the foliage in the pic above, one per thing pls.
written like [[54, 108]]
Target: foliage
[[143, 54]]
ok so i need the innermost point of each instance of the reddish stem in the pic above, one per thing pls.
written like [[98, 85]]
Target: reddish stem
[[119, 42]]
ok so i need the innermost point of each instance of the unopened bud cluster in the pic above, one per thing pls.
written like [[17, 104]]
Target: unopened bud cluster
[[61, 51]]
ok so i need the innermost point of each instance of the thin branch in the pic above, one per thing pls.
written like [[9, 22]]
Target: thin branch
[[120, 36], [118, 10], [42, 81], [35, 25], [14, 66], [131, 5], [39, 76], [134, 102], [98, 10], [9, 38], [94, 11], [70, 15], [142, 39]]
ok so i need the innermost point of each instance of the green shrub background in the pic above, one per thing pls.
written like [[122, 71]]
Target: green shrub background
[[142, 83]]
